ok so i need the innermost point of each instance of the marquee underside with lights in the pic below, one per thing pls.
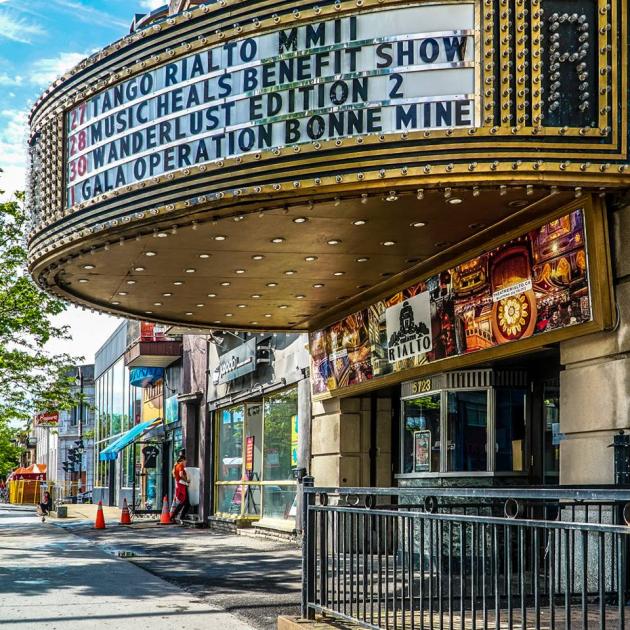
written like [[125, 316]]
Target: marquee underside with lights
[[261, 165]]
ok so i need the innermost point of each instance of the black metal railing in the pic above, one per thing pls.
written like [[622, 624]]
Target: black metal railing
[[467, 558]]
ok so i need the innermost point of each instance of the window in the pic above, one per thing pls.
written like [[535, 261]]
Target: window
[[462, 430], [467, 431], [421, 437], [117, 379], [551, 428], [230, 460], [280, 453], [256, 454], [510, 430], [279, 411]]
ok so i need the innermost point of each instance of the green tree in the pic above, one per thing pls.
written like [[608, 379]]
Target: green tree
[[9, 450], [33, 379]]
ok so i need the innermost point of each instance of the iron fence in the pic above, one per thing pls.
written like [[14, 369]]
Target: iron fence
[[467, 558]]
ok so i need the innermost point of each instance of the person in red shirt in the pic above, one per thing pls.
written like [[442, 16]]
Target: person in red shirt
[[180, 500]]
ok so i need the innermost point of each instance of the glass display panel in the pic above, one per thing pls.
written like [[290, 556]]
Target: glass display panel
[[510, 430], [117, 380], [230, 447], [279, 501], [251, 499], [252, 457], [280, 411], [421, 434], [230, 499], [467, 431]]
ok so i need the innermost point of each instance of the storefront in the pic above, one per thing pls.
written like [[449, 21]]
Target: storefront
[[256, 439], [137, 420], [479, 337], [256, 456], [421, 200]]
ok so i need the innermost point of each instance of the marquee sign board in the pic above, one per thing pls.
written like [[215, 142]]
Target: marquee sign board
[[386, 71]]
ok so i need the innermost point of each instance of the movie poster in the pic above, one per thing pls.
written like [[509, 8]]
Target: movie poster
[[535, 283]]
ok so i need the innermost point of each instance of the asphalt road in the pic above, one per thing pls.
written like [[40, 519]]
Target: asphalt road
[[53, 579], [255, 579]]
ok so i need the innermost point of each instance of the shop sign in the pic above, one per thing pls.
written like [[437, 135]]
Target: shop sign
[[379, 72], [249, 453], [50, 419], [236, 363], [422, 451], [171, 409], [408, 327], [294, 441], [527, 287], [150, 454], [421, 386]]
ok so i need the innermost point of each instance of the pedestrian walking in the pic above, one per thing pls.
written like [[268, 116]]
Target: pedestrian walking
[[181, 503], [4, 492]]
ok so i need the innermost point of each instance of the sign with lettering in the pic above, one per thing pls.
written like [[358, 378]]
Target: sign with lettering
[[236, 363], [49, 419], [379, 72], [529, 286], [422, 451], [408, 327]]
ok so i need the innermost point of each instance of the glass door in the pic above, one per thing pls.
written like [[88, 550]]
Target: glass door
[[467, 431], [551, 431]]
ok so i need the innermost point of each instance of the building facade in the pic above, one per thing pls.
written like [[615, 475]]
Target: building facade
[[443, 213], [258, 398], [56, 435], [137, 378]]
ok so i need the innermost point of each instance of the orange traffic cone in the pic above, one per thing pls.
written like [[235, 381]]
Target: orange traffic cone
[[125, 517], [100, 519], [165, 518]]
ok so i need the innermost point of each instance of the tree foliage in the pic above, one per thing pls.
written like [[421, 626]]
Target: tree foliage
[[33, 379]]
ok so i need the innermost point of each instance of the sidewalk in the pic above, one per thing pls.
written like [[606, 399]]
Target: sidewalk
[[51, 579], [254, 578]]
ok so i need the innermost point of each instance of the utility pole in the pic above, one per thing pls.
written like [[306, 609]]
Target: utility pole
[[80, 445]]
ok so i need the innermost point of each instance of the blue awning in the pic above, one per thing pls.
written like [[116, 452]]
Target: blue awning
[[145, 376], [111, 452]]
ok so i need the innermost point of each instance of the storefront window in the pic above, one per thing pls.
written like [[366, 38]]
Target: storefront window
[[256, 454], [510, 430], [280, 411], [117, 379], [421, 438], [467, 431], [230, 460]]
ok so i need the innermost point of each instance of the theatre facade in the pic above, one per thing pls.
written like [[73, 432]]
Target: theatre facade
[[436, 192]]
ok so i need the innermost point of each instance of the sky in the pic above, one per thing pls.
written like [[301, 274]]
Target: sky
[[40, 40]]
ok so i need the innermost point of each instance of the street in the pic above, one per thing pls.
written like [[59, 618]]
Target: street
[[51, 578]]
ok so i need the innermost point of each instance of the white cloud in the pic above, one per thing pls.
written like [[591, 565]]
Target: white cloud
[[44, 71], [89, 332], [17, 29], [7, 79], [151, 5], [89, 15], [12, 150]]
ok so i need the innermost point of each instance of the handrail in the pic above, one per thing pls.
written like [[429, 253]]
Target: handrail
[[482, 520], [581, 493]]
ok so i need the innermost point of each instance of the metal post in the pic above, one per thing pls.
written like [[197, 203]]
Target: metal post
[[133, 485], [308, 548], [80, 461]]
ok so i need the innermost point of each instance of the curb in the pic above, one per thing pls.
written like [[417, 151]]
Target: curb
[[297, 623]]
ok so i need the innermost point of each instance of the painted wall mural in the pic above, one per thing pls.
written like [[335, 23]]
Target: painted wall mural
[[528, 286]]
